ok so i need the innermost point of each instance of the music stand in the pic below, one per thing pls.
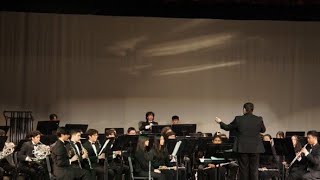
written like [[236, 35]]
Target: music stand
[[48, 139], [5, 128], [184, 129], [82, 127], [120, 131], [3, 140], [297, 133], [125, 142], [187, 146], [221, 152], [202, 143], [284, 148], [47, 127], [267, 148], [156, 129]]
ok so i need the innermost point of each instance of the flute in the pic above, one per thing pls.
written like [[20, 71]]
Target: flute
[[297, 156]]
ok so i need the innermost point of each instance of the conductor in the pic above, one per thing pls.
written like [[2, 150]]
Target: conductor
[[248, 143]]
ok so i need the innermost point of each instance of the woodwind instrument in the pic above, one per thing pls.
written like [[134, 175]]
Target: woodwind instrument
[[297, 156], [84, 151]]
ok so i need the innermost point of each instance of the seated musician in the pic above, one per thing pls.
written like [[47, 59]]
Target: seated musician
[[165, 130], [93, 147], [300, 164], [114, 158], [161, 158], [147, 125], [207, 170], [142, 157], [83, 161], [6, 160], [170, 135], [175, 120], [269, 162], [64, 157], [131, 131], [312, 156], [27, 164]]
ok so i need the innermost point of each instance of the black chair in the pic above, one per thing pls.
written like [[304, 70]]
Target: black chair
[[131, 171], [49, 165]]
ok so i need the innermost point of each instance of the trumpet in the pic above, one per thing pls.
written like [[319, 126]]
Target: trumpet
[[86, 152], [297, 156]]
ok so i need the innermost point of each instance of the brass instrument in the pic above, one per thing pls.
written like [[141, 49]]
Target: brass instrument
[[73, 152], [40, 152], [8, 149]]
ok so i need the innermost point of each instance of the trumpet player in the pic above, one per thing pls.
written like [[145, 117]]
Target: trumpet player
[[36, 170], [312, 156]]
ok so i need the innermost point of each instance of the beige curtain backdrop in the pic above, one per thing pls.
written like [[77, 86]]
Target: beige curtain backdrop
[[109, 71]]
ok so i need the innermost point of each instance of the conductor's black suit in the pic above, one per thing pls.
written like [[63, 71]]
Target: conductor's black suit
[[248, 143]]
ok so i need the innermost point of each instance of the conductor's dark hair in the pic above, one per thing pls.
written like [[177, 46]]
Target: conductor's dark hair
[[148, 114], [62, 131], [33, 134], [248, 107], [91, 132], [175, 117], [52, 116], [313, 133]]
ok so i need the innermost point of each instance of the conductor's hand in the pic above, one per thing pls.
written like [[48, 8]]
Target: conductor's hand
[[218, 120]]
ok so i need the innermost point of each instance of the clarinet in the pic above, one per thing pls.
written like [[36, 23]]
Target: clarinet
[[85, 151]]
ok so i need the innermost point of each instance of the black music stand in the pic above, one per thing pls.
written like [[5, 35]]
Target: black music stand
[[156, 129], [3, 140], [221, 151], [47, 127], [284, 148], [48, 139], [297, 133], [125, 142], [184, 129], [5, 128], [202, 143], [267, 148], [120, 131], [82, 127]]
